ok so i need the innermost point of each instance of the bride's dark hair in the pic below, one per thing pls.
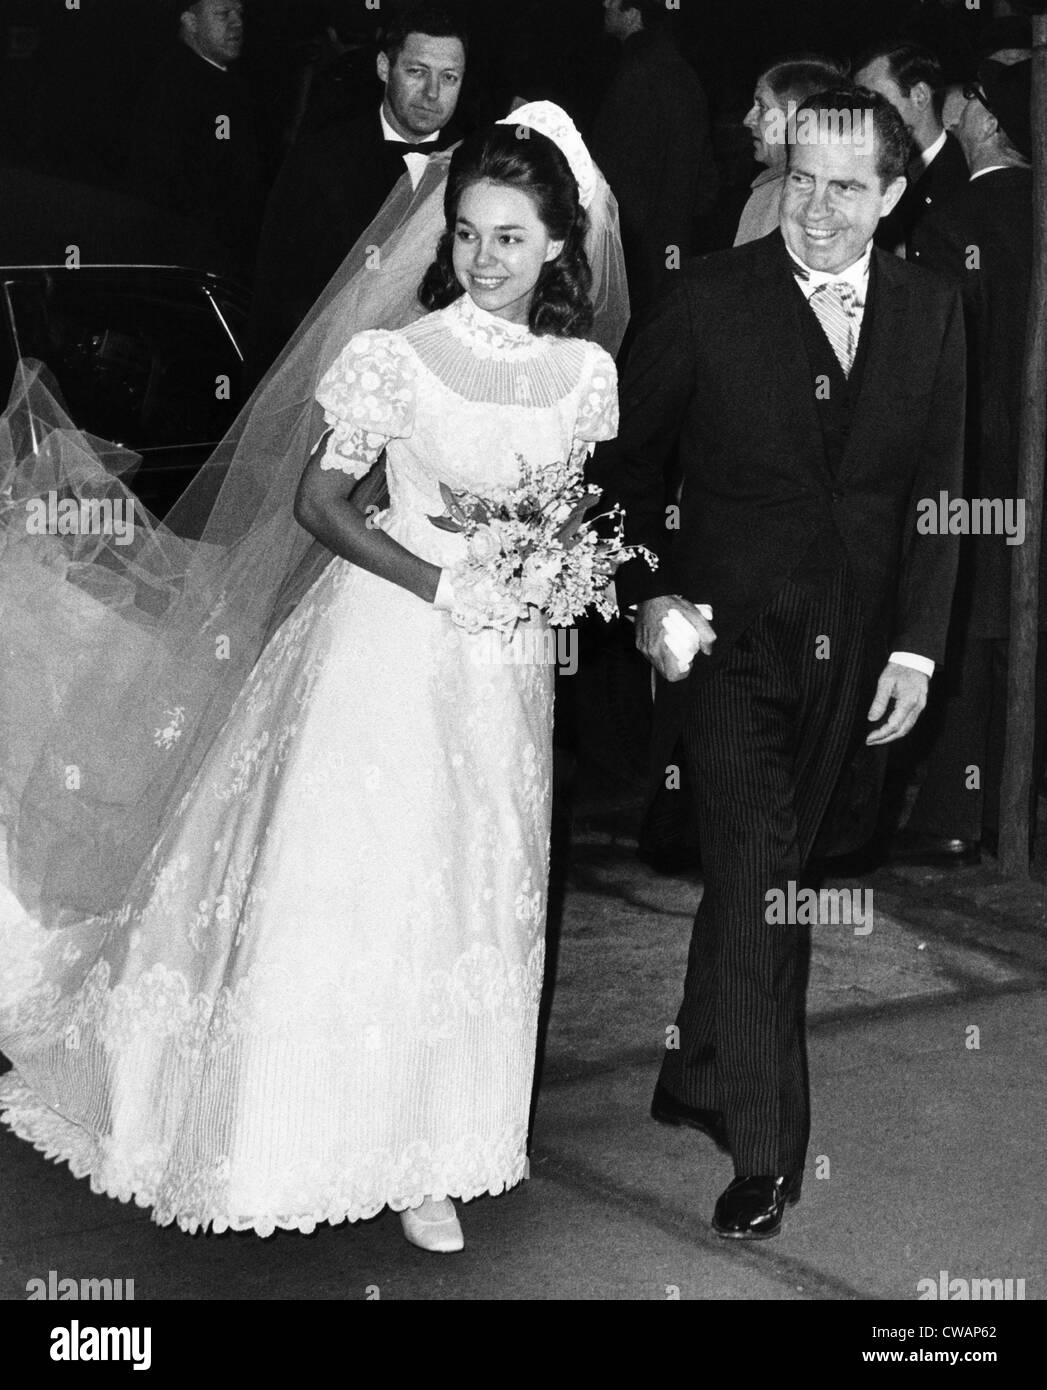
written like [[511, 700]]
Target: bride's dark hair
[[536, 166]]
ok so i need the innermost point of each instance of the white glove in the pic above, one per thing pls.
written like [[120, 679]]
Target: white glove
[[681, 637], [444, 598]]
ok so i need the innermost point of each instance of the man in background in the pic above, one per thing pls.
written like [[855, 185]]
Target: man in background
[[194, 151], [982, 241], [333, 182], [911, 79], [652, 141]]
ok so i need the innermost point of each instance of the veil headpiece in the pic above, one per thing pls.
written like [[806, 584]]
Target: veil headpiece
[[120, 662], [552, 121]]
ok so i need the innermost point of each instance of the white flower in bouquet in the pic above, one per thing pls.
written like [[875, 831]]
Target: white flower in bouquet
[[484, 544], [482, 601], [530, 547], [538, 575]]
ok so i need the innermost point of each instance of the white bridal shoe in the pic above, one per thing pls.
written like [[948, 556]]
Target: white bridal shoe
[[434, 1226]]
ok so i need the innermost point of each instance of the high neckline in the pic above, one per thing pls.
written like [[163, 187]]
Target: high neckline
[[473, 315], [487, 335]]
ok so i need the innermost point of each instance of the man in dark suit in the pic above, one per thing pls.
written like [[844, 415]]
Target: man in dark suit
[[982, 240], [911, 79], [334, 182], [653, 143], [807, 439], [193, 149]]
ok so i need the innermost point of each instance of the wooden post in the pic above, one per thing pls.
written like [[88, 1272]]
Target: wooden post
[[1024, 632]]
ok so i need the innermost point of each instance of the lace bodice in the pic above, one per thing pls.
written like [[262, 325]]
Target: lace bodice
[[460, 397]]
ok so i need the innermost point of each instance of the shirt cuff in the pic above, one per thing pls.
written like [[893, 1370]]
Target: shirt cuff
[[923, 664]]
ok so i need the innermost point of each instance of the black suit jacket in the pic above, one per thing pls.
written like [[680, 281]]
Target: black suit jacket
[[331, 186], [982, 240], [941, 180], [652, 140], [722, 368], [175, 161], [774, 485]]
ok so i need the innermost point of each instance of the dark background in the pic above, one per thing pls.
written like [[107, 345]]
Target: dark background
[[71, 78]]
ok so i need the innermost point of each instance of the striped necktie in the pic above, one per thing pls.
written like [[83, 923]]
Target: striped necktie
[[835, 304]]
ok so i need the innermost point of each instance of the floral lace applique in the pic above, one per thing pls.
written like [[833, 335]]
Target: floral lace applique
[[487, 335], [597, 417], [368, 398]]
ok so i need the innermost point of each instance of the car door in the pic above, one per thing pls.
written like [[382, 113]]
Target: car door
[[148, 357]]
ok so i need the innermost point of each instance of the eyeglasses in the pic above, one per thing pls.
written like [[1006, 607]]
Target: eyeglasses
[[974, 91]]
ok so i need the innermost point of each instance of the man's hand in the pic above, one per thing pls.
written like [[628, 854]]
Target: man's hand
[[650, 634], [907, 689]]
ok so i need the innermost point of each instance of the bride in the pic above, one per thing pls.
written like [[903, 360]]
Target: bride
[[280, 963]]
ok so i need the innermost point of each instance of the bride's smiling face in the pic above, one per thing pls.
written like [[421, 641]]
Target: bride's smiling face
[[500, 247]]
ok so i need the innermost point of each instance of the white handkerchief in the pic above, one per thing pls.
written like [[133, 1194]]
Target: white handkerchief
[[680, 637]]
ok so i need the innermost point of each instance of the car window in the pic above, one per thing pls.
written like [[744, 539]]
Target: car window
[[138, 361]]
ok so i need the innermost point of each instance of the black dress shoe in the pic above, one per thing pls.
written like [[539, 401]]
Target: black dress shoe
[[667, 1110], [935, 851], [751, 1208]]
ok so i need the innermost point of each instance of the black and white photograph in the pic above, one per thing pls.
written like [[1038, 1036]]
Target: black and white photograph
[[523, 727]]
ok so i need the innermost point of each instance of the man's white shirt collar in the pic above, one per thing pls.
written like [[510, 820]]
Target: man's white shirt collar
[[931, 153], [415, 161], [204, 57], [992, 168], [856, 275]]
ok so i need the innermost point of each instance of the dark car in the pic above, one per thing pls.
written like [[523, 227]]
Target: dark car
[[149, 357]]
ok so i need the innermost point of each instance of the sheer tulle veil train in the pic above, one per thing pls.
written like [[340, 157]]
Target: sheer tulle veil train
[[121, 654]]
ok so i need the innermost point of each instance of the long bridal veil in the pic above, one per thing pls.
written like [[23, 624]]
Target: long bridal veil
[[124, 648]]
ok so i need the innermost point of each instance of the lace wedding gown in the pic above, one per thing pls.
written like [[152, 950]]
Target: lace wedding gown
[[321, 997]]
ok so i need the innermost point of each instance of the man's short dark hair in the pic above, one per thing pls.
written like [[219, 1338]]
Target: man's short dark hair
[[908, 64], [893, 141], [421, 17], [652, 12]]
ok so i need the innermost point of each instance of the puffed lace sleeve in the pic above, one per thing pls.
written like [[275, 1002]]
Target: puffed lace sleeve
[[598, 409], [368, 397]]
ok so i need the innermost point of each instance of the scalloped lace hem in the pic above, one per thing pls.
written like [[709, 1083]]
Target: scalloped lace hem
[[63, 1141]]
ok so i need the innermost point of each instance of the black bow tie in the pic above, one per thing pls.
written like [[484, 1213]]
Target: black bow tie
[[400, 148]]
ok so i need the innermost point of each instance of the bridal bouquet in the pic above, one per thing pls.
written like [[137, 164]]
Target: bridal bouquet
[[531, 547]]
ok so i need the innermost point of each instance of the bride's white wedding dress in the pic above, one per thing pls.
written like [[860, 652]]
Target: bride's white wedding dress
[[321, 996]]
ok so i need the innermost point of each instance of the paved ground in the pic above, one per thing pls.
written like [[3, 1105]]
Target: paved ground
[[927, 1149]]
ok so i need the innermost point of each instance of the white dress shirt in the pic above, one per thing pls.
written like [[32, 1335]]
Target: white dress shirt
[[989, 169], [931, 153], [856, 275], [220, 66], [415, 162]]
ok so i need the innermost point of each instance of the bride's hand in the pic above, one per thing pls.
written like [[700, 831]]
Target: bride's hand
[[651, 634]]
